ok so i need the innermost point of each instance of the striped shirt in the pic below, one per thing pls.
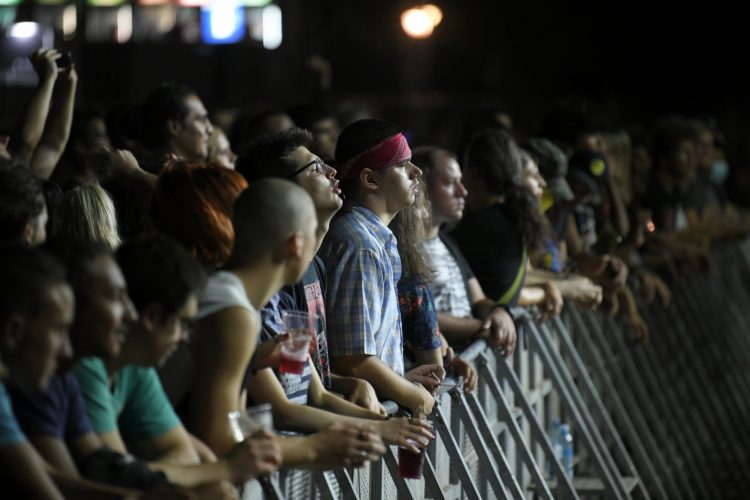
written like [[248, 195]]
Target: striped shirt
[[362, 269], [295, 386]]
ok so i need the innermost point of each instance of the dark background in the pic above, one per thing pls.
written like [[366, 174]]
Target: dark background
[[637, 59]]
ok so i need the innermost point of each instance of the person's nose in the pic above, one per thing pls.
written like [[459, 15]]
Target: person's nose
[[416, 172], [461, 190], [330, 172], [66, 349], [131, 315]]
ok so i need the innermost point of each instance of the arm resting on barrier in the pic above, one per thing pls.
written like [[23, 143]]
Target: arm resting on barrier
[[502, 330], [341, 445], [358, 391], [387, 383], [325, 409], [457, 329], [321, 411]]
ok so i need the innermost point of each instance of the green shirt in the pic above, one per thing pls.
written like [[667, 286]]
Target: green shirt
[[135, 404]]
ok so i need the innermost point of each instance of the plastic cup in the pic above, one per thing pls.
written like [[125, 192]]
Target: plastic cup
[[247, 422], [410, 464], [294, 351]]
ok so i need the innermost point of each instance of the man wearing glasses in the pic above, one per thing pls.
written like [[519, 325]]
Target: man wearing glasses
[[287, 155]]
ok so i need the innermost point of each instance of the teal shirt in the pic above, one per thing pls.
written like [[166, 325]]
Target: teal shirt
[[136, 404], [10, 432]]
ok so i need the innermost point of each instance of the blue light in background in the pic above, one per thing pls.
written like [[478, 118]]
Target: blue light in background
[[223, 21]]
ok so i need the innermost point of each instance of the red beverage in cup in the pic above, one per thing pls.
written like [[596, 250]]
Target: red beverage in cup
[[291, 365], [410, 464], [300, 328]]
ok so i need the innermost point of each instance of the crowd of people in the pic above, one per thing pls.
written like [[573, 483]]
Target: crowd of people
[[145, 268]]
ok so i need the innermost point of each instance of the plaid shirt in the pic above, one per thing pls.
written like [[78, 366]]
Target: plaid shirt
[[362, 268]]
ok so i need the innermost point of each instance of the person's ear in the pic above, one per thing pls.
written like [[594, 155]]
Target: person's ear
[[368, 179], [152, 316], [290, 249], [28, 232], [296, 244], [173, 127], [12, 332]]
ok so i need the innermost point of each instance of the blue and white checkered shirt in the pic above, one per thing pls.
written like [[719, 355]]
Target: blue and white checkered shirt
[[363, 267]]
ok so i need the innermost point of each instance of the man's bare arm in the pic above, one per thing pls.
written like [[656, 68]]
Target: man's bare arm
[[30, 125], [23, 465], [387, 383], [222, 347], [57, 129]]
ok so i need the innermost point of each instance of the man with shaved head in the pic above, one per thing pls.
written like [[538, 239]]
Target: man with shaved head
[[275, 226]]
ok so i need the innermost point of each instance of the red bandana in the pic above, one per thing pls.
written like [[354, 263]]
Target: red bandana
[[391, 151]]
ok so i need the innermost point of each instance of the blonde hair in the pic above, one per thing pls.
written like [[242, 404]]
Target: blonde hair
[[87, 213], [408, 226]]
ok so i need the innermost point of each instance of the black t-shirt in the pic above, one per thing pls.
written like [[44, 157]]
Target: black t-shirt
[[309, 295], [493, 247]]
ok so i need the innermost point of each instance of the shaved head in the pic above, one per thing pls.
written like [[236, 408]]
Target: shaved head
[[266, 215]]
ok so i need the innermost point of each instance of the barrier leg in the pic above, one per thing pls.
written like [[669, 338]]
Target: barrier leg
[[566, 487], [484, 446], [634, 438], [573, 402]]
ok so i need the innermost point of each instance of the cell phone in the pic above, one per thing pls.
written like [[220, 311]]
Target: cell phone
[[66, 59]]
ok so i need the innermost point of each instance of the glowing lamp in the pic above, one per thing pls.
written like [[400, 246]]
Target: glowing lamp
[[417, 23], [434, 12]]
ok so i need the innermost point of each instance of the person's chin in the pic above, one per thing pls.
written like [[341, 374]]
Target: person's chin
[[43, 382], [114, 348]]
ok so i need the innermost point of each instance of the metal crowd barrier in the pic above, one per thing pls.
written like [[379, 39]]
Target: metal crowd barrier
[[666, 418]]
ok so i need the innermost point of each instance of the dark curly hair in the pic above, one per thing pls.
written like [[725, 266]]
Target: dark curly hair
[[159, 270], [497, 159], [21, 199], [266, 156]]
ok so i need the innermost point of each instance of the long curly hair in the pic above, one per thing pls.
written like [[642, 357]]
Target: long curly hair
[[409, 229], [496, 158]]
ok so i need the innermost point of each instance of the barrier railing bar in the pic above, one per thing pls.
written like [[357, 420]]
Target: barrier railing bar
[[271, 489], [454, 452], [728, 387], [598, 404], [346, 486], [677, 388], [718, 400], [651, 422], [663, 396], [506, 415], [726, 405], [324, 486], [631, 410], [594, 442], [432, 485], [480, 446], [377, 475], [721, 355], [484, 428], [404, 492]]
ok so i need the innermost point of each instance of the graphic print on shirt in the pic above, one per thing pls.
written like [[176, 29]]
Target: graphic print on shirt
[[319, 351]]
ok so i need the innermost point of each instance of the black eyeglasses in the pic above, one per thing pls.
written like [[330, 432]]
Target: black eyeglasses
[[317, 165]]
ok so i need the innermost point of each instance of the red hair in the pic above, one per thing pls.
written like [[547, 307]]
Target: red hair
[[193, 204]]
